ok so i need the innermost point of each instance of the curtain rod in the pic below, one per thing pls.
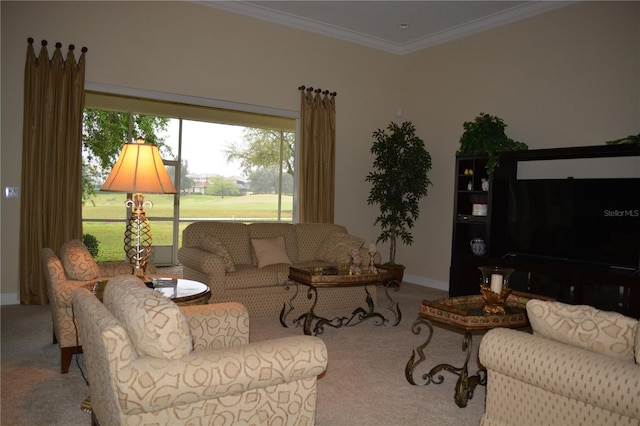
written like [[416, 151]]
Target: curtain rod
[[310, 89]]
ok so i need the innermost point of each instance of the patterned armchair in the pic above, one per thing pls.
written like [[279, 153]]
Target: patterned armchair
[[580, 367], [150, 361], [74, 268]]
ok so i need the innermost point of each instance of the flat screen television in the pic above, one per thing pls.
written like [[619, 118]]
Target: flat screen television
[[595, 222]]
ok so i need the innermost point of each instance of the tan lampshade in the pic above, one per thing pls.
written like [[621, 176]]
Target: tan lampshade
[[139, 169]]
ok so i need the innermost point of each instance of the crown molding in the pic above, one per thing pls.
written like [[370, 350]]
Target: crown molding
[[511, 15]]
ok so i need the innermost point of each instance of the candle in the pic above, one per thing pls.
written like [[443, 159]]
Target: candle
[[496, 283]]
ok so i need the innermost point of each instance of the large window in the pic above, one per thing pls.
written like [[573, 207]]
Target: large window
[[228, 165]]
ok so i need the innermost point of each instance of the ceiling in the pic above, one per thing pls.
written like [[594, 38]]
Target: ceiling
[[398, 27]]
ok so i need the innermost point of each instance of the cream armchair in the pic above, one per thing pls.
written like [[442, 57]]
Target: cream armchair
[[580, 367], [151, 362], [74, 268]]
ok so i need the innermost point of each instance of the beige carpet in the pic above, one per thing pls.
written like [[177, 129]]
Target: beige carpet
[[364, 383]]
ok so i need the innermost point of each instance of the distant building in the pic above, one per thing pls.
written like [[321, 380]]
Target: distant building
[[201, 182]]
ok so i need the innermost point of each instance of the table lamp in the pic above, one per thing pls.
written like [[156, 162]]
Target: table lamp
[[138, 169]]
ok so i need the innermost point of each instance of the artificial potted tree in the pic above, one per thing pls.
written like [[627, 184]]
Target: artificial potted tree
[[485, 136], [399, 180]]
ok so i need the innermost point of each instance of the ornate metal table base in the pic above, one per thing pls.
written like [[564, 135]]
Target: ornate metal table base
[[357, 316], [465, 385]]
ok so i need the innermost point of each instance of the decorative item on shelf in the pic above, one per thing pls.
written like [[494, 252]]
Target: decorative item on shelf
[[138, 169], [470, 186], [479, 209], [478, 246], [495, 288], [468, 172], [372, 255], [484, 184], [356, 262]]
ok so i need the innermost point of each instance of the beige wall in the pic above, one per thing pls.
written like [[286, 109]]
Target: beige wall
[[568, 77]]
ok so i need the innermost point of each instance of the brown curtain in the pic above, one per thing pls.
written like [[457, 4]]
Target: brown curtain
[[317, 155], [51, 196]]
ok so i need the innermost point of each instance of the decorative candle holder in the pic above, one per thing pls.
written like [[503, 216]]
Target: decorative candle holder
[[495, 288]]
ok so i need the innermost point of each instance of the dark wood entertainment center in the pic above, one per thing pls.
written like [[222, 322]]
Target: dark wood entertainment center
[[608, 289]]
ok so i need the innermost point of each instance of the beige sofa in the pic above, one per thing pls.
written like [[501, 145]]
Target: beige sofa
[[150, 362], [580, 367], [249, 263]]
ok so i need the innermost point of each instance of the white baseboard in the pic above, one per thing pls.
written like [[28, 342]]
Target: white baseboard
[[426, 282], [9, 299]]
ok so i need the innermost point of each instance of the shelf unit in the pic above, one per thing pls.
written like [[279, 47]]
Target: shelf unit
[[464, 275], [570, 284]]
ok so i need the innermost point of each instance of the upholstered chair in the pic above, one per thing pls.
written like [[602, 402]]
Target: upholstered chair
[[581, 366], [75, 267], [150, 361]]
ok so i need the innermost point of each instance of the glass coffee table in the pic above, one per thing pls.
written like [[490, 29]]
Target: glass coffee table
[[315, 278], [463, 314], [182, 291]]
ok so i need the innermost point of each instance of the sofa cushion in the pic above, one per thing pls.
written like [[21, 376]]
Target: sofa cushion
[[337, 247], [609, 333], [212, 245], [310, 237], [270, 251], [156, 325], [250, 276], [234, 236], [77, 262]]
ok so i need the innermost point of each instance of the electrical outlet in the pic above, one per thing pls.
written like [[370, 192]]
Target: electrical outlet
[[11, 192]]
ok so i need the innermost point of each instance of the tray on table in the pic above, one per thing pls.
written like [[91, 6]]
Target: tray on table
[[467, 312]]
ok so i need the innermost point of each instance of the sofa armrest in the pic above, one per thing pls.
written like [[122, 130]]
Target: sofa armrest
[[202, 261], [576, 373], [217, 325], [152, 384]]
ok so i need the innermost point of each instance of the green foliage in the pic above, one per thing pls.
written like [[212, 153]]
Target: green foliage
[[632, 139], [485, 135], [261, 149], [91, 242], [266, 180], [220, 185], [399, 180], [185, 181]]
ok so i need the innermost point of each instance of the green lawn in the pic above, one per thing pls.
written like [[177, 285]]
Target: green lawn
[[110, 235]]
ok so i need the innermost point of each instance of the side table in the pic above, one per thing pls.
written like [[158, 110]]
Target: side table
[[463, 314], [182, 291]]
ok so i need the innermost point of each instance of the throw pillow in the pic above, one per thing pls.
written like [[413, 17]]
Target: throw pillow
[[77, 262], [609, 333], [210, 244], [337, 247], [156, 325], [270, 251]]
